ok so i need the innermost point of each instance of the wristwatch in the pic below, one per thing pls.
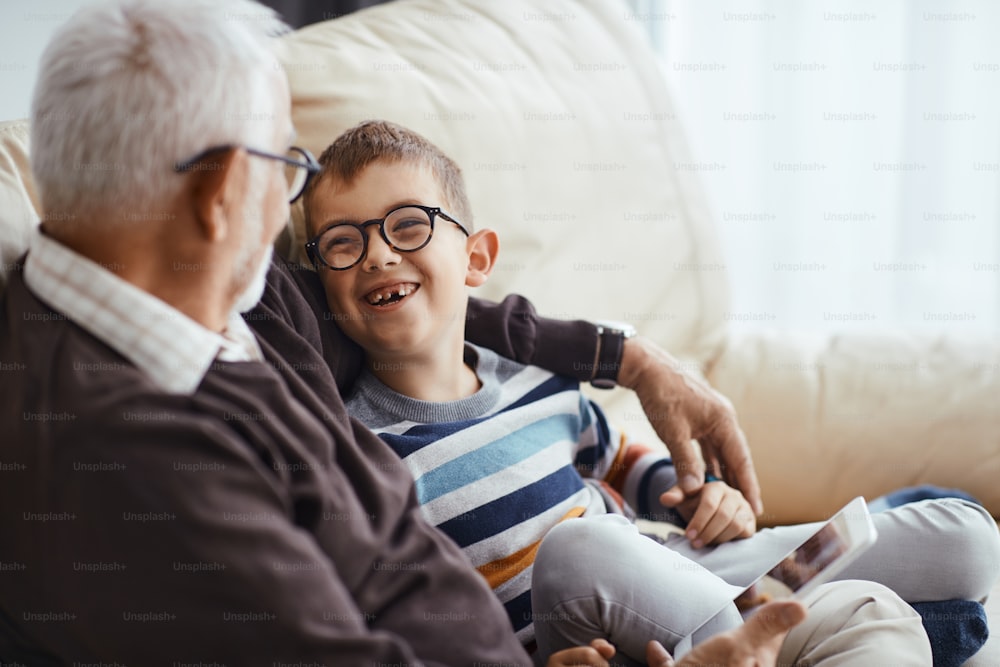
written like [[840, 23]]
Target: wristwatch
[[611, 337]]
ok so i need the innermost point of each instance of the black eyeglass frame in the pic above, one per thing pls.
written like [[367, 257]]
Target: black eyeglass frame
[[310, 165], [312, 246]]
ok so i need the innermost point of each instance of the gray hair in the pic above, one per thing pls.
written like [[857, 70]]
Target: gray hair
[[130, 88]]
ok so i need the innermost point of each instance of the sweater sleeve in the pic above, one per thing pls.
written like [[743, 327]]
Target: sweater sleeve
[[514, 330], [637, 472], [295, 296]]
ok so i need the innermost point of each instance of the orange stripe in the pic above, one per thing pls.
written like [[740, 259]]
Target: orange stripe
[[617, 497], [617, 470], [506, 568], [624, 460]]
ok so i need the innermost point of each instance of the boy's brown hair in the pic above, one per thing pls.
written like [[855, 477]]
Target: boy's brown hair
[[379, 140]]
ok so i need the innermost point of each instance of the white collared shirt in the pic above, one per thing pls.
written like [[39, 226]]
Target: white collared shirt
[[173, 350]]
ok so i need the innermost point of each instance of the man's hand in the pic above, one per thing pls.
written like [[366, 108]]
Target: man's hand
[[716, 514], [681, 407], [754, 644], [595, 655]]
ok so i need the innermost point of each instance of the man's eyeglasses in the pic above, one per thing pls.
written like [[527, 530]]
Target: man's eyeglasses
[[300, 165], [404, 229]]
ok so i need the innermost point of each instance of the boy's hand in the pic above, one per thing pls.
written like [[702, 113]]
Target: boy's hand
[[681, 407], [716, 514], [595, 655]]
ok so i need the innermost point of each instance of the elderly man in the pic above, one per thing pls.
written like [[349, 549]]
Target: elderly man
[[189, 488]]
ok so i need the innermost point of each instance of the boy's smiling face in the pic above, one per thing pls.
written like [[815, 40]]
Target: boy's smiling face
[[397, 305]]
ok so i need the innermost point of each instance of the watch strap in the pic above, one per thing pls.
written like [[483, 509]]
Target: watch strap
[[610, 347]]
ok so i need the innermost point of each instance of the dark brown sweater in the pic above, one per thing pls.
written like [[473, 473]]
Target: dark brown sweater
[[251, 523]]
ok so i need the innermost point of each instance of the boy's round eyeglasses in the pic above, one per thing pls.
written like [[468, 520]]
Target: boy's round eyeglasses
[[404, 229], [300, 165]]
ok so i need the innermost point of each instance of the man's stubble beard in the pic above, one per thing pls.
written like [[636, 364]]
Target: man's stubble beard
[[248, 272], [257, 277]]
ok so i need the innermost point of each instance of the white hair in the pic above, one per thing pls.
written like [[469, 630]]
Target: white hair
[[130, 88]]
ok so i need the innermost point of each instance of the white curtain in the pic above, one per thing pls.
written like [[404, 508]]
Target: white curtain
[[851, 153]]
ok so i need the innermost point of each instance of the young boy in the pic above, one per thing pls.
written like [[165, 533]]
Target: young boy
[[502, 453]]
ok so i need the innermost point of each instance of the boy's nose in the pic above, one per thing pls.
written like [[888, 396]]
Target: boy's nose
[[380, 254]]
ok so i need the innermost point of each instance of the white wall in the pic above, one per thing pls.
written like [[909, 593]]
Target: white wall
[[851, 152], [25, 29]]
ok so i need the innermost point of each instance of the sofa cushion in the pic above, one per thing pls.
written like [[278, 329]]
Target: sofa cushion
[[561, 120], [833, 416], [18, 201]]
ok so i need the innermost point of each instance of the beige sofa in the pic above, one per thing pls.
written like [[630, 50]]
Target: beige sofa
[[561, 120], [571, 148]]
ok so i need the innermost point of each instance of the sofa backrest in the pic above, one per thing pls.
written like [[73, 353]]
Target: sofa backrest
[[18, 202], [561, 120], [563, 125]]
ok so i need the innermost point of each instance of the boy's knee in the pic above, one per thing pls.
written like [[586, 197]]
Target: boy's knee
[[975, 541], [565, 543], [562, 568], [969, 511], [854, 601], [858, 618], [983, 533], [876, 613]]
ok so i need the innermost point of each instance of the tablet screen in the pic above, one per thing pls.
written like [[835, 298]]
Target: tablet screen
[[817, 560], [799, 567]]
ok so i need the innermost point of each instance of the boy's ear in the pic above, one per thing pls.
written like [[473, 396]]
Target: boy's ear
[[483, 248], [216, 183]]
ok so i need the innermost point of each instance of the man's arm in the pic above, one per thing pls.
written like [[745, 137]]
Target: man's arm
[[679, 406], [294, 300], [513, 329]]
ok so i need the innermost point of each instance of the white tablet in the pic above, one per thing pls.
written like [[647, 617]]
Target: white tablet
[[822, 556]]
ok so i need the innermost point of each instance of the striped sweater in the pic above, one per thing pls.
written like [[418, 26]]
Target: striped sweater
[[497, 470]]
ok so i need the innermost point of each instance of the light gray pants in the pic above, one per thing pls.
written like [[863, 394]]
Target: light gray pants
[[598, 577]]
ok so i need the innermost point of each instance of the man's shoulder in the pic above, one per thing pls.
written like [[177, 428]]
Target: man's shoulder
[[30, 328], [62, 382], [79, 390], [50, 352]]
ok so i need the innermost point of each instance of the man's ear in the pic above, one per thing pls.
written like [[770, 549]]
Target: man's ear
[[483, 248], [213, 184]]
